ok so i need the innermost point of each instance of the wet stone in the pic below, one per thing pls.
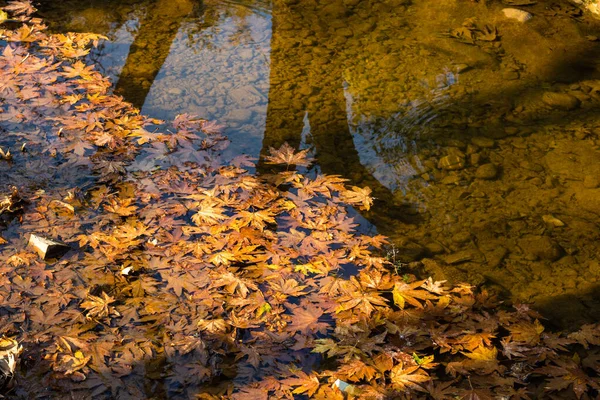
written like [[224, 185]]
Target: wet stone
[[495, 257], [175, 91], [47, 248], [475, 159], [239, 115], [461, 237], [540, 248], [451, 162], [483, 142], [428, 165], [246, 54], [450, 180], [594, 267], [510, 75], [531, 166], [459, 144], [245, 96], [344, 32], [461, 68], [516, 14], [589, 200], [460, 257], [563, 101], [552, 221], [410, 251], [486, 171], [434, 248]]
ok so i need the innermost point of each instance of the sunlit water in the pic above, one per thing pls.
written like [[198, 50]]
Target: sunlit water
[[479, 134]]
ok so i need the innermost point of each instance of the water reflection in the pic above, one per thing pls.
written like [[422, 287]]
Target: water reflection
[[158, 27], [309, 55], [388, 93]]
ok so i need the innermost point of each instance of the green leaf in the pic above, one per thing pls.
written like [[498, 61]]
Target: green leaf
[[264, 309]]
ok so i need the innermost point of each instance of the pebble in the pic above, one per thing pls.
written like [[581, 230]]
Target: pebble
[[461, 237], [175, 91], [484, 142], [451, 162], [515, 13], [347, 32], [434, 248], [563, 101], [552, 220], [460, 257], [428, 165], [496, 256], [239, 115], [511, 130], [589, 200], [460, 68], [540, 247], [456, 143], [594, 267], [531, 166], [486, 171], [510, 75], [246, 54], [410, 251], [450, 180]]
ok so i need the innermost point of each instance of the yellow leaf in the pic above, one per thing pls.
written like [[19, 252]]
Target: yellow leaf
[[264, 309], [483, 353], [286, 155], [359, 196]]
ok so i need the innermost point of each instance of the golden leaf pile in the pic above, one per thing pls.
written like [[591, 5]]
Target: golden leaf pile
[[192, 278]]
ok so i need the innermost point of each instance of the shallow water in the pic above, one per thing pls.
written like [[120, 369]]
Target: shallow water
[[479, 134]]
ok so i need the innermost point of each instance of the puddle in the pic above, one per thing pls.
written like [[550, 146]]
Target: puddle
[[478, 133]]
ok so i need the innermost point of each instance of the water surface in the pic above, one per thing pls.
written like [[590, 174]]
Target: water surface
[[479, 134]]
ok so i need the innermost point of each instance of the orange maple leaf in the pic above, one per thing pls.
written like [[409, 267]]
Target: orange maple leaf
[[358, 196], [286, 154]]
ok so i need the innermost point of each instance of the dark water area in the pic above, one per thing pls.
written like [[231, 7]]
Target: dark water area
[[478, 133]]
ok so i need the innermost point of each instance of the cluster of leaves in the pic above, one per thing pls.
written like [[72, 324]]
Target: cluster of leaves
[[191, 277]]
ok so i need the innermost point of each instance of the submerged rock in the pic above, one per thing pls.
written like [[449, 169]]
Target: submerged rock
[[515, 13], [483, 142], [461, 68], [552, 220], [451, 162], [589, 200], [460, 257], [540, 247], [409, 251], [486, 171], [562, 101], [495, 257]]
